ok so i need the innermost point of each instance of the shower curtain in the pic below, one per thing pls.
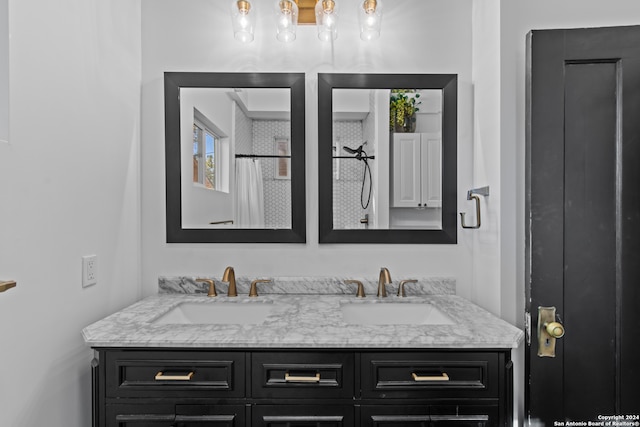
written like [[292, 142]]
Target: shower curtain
[[249, 194]]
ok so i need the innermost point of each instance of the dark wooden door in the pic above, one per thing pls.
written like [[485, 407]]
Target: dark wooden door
[[583, 223]]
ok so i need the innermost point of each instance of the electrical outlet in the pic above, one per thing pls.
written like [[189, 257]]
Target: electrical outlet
[[89, 270]]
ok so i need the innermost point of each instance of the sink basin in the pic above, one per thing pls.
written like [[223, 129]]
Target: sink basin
[[216, 313], [394, 314]]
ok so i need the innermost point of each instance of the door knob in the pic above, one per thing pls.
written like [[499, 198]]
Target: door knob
[[549, 329], [555, 329]]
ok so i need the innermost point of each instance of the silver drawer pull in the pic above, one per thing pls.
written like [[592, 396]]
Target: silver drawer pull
[[291, 378], [161, 376], [443, 377]]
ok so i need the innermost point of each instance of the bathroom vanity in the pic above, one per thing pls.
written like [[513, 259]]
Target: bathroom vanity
[[302, 360]]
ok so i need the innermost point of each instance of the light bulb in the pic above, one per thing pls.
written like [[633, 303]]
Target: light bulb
[[286, 20], [242, 20], [370, 17], [327, 19]]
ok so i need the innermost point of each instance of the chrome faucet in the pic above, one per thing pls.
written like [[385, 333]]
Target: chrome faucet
[[383, 280], [230, 276]]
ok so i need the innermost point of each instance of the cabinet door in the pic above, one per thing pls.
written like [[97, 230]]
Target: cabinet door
[[138, 415], [407, 170], [302, 416], [417, 170], [431, 160]]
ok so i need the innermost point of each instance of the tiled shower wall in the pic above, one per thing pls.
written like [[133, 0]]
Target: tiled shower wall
[[347, 177], [349, 173], [277, 192]]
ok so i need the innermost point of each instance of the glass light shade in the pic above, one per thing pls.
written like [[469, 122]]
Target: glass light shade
[[286, 20], [327, 19], [370, 17], [243, 20]]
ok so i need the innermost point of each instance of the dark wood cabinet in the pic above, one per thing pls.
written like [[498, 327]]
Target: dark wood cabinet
[[305, 387]]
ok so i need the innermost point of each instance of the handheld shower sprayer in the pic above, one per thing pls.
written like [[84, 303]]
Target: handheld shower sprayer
[[361, 155], [357, 151]]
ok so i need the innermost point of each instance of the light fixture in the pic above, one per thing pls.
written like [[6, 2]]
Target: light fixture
[[327, 19], [370, 17], [289, 13], [286, 20], [243, 20]]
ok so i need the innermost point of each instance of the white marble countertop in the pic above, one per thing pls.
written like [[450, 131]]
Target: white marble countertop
[[302, 321]]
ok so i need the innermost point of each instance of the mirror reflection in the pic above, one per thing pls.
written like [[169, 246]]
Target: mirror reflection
[[387, 156], [236, 157], [387, 153]]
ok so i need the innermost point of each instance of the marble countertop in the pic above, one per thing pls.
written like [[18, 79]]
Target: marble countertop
[[302, 321]]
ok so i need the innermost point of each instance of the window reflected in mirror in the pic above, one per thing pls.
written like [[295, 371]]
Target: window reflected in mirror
[[210, 155]]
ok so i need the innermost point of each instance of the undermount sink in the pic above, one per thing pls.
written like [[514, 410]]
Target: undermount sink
[[394, 313], [226, 313]]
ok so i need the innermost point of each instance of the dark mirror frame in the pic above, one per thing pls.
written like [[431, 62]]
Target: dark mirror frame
[[173, 81], [448, 83]]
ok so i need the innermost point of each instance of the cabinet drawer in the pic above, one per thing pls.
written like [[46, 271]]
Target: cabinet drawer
[[303, 415], [140, 415], [430, 374], [303, 375], [394, 416], [175, 374], [210, 416], [429, 416]]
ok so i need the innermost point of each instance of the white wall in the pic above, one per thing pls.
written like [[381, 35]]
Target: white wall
[[197, 36], [69, 186], [4, 71]]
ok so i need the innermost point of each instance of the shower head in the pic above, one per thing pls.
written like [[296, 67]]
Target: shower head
[[351, 150], [356, 151]]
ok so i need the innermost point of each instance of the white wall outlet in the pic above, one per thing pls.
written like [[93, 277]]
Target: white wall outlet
[[89, 270]]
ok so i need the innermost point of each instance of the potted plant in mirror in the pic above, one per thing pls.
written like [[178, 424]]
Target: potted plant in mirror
[[403, 105]]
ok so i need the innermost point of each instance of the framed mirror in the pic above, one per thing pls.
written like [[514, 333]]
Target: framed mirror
[[387, 149], [235, 157]]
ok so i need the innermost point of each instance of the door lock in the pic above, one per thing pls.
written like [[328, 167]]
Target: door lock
[[549, 329]]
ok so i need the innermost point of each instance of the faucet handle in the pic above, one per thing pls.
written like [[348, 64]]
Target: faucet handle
[[401, 286], [212, 286], [360, 291], [253, 290]]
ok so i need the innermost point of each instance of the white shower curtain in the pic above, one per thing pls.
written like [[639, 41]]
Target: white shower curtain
[[249, 194]]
